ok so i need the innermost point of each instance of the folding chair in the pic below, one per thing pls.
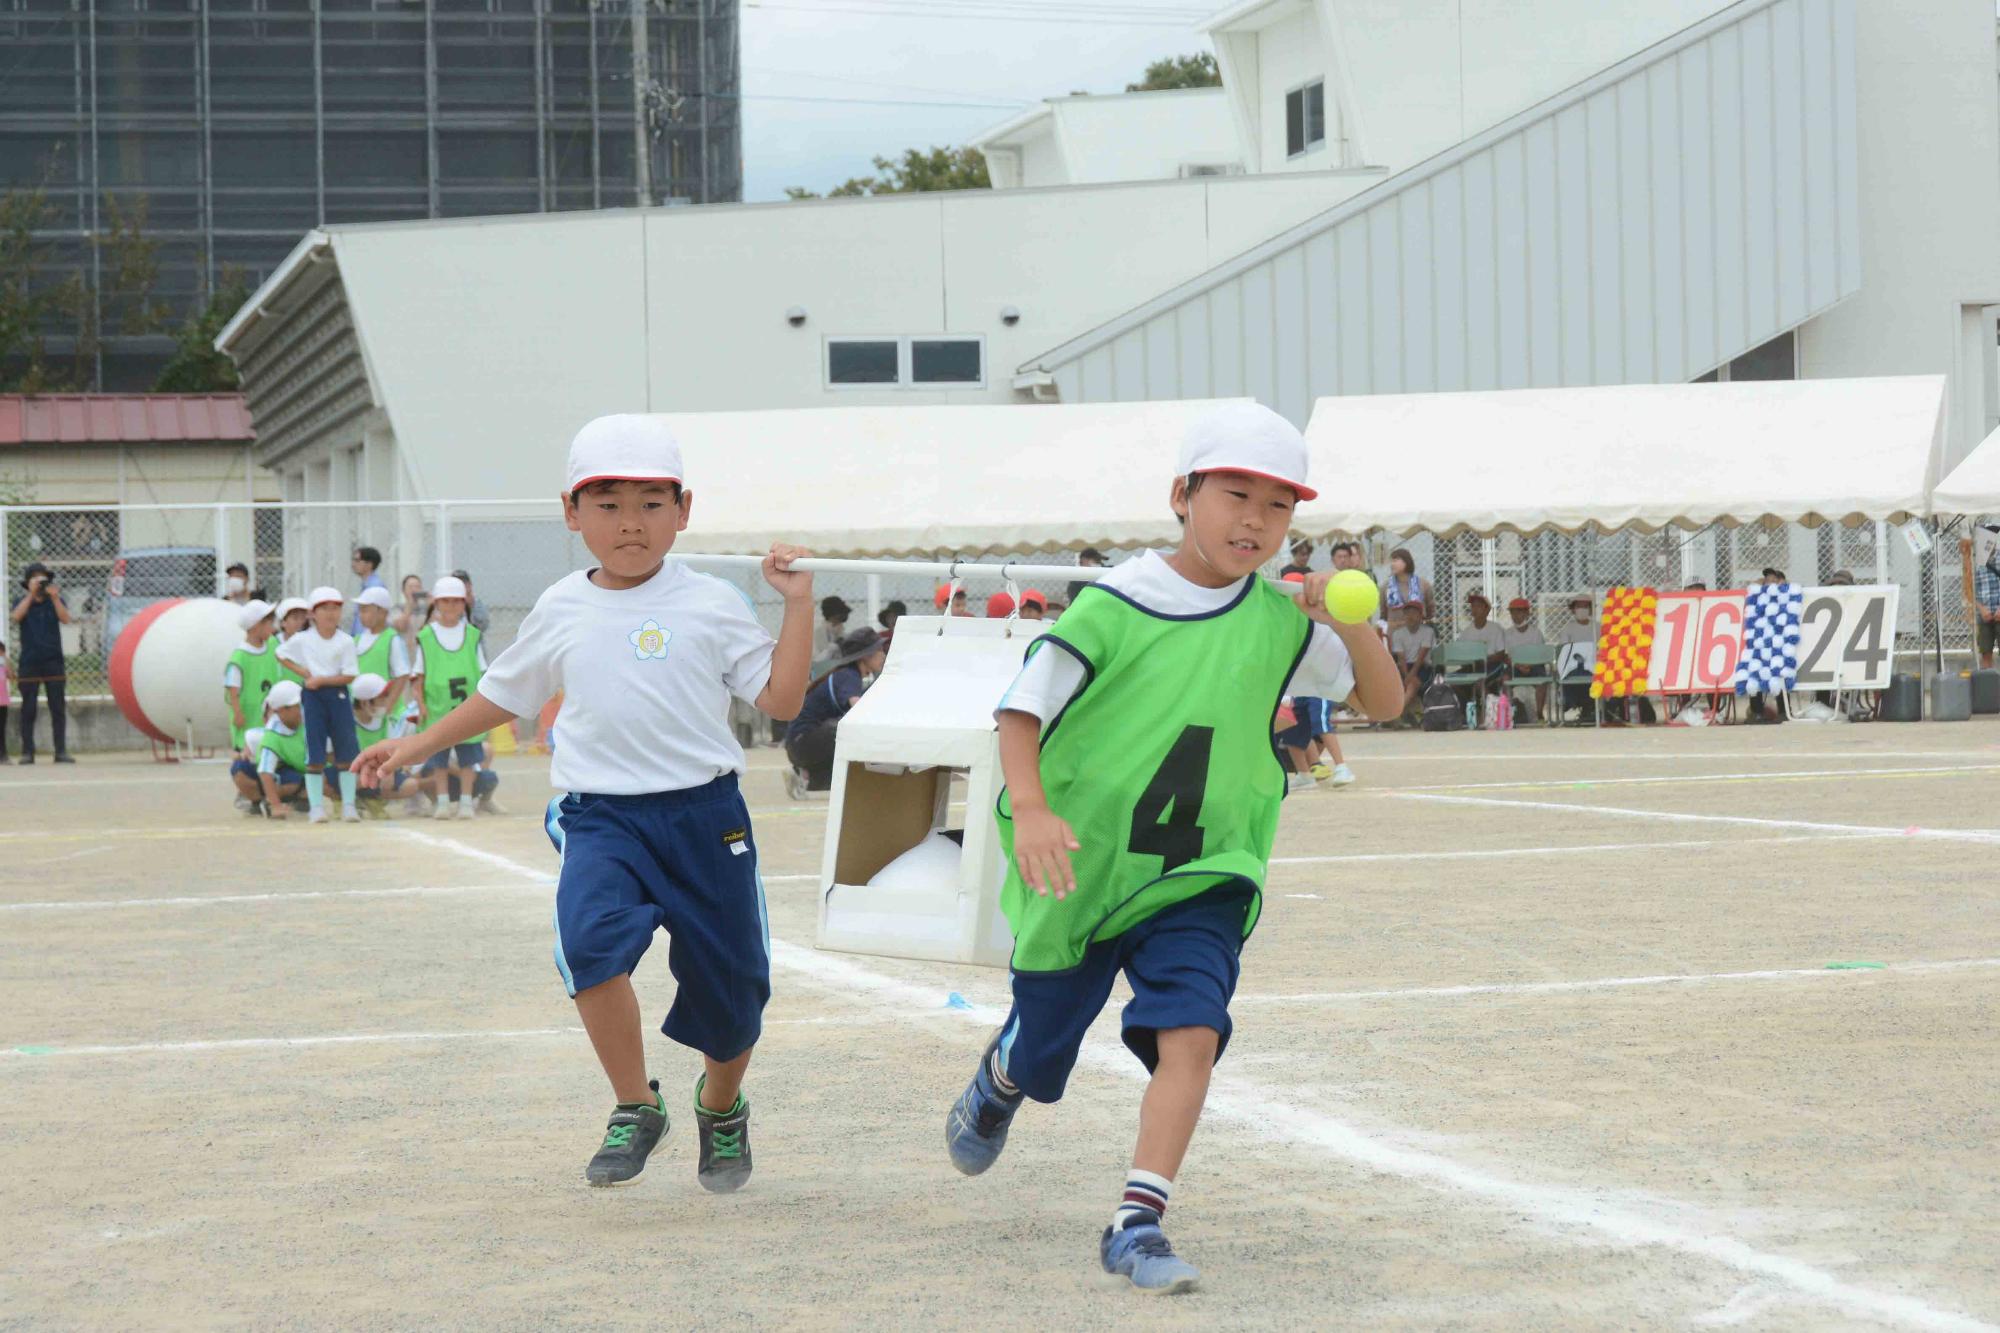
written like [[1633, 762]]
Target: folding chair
[[1463, 662], [1541, 659]]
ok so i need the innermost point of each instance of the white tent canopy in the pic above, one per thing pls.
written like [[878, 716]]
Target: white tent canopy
[[1973, 487], [1645, 455], [901, 481]]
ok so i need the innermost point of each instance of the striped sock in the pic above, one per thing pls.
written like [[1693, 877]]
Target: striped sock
[[1001, 1082], [1145, 1199]]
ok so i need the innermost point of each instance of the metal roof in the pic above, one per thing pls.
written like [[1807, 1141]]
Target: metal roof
[[124, 418], [1675, 210]]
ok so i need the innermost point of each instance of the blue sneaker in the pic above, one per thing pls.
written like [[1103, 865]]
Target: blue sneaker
[[1142, 1253], [976, 1129]]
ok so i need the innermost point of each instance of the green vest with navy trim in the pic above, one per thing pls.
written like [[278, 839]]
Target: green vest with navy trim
[[291, 750], [1161, 764], [260, 671], [450, 678]]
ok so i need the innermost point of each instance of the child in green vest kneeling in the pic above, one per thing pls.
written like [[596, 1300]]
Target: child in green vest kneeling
[[1141, 804], [449, 662], [281, 749], [252, 670], [376, 720]]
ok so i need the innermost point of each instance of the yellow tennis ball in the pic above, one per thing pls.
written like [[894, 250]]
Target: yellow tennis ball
[[1351, 597]]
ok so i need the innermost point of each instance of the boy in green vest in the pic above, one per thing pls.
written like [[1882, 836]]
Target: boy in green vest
[[375, 721], [450, 659], [380, 650], [1141, 804], [253, 669], [281, 750]]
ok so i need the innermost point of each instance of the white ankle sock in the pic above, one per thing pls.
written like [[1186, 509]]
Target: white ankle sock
[[1145, 1193]]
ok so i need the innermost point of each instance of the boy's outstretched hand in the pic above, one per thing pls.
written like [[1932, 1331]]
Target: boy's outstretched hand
[[373, 762], [1042, 844], [778, 571]]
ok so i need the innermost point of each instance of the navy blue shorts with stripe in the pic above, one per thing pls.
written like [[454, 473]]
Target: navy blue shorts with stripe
[[1182, 966], [684, 861]]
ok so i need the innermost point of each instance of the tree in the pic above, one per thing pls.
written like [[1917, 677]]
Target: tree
[[1195, 71], [919, 170], [196, 367]]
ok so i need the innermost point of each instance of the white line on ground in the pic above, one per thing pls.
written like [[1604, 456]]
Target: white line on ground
[[1481, 853], [1264, 1109], [221, 899], [1674, 778], [1684, 817], [1605, 983], [265, 1043]]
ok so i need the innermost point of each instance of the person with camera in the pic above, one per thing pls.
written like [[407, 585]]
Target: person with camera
[[41, 614]]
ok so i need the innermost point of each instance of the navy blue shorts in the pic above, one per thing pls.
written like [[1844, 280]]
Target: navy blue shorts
[[1182, 966], [464, 756], [240, 765], [329, 717], [684, 861]]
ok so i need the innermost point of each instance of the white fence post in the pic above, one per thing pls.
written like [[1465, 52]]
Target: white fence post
[[874, 597], [221, 547], [443, 540], [1488, 570], [1881, 550]]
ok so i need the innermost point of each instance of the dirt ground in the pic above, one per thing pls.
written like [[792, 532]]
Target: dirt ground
[[1539, 1031]]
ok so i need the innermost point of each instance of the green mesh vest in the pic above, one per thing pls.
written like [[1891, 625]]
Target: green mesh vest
[[291, 750], [377, 658], [260, 672], [1162, 765], [450, 678]]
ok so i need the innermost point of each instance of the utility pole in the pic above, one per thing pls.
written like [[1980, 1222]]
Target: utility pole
[[642, 87]]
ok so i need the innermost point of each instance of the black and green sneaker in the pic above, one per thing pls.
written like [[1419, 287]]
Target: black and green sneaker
[[725, 1144], [629, 1139]]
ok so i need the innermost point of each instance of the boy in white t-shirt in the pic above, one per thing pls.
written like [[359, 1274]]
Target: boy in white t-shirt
[[324, 656], [652, 830]]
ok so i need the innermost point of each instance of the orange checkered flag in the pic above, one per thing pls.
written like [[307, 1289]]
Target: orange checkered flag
[[1624, 642]]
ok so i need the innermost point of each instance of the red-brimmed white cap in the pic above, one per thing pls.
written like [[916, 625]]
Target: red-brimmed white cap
[[448, 586], [625, 447], [325, 594], [373, 597], [291, 604], [253, 611], [1247, 437]]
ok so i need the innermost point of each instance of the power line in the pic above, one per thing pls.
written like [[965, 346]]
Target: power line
[[878, 83], [862, 101]]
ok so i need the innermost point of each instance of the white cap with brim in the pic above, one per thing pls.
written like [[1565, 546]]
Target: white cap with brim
[[291, 604], [367, 686], [325, 594], [625, 447], [1251, 438], [448, 586], [252, 611], [373, 597], [285, 694]]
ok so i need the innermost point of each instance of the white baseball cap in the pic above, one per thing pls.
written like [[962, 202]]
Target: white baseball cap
[[624, 447], [448, 586], [324, 594], [1247, 437], [367, 685], [291, 604], [252, 611], [284, 694], [373, 597]]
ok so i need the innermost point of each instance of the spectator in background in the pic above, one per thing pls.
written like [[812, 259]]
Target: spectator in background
[[1302, 558], [476, 612], [1411, 643], [236, 583], [1345, 555], [1403, 586], [957, 598], [1520, 632], [890, 614], [1000, 605], [810, 739], [1090, 558], [41, 614], [6, 697], [1576, 657], [1033, 605], [1484, 632], [1840, 578], [1773, 575], [1986, 597], [366, 562], [413, 609], [833, 612]]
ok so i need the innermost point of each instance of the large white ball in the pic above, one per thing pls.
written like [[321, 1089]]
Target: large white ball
[[166, 669]]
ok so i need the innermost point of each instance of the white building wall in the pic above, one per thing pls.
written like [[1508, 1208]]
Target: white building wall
[[1290, 53], [1928, 135], [1042, 160]]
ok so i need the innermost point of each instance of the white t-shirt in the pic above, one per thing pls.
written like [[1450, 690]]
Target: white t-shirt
[[645, 674], [399, 652], [1050, 679], [319, 656], [451, 638]]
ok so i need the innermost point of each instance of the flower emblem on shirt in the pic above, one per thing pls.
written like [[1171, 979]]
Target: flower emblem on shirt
[[649, 640]]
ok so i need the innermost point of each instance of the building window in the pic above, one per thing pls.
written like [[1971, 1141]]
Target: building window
[[909, 363], [1774, 360], [1305, 118], [854, 361]]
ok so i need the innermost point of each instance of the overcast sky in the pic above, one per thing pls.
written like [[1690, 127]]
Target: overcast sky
[[998, 55]]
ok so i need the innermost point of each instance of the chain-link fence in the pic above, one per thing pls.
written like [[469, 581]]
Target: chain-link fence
[[110, 563]]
